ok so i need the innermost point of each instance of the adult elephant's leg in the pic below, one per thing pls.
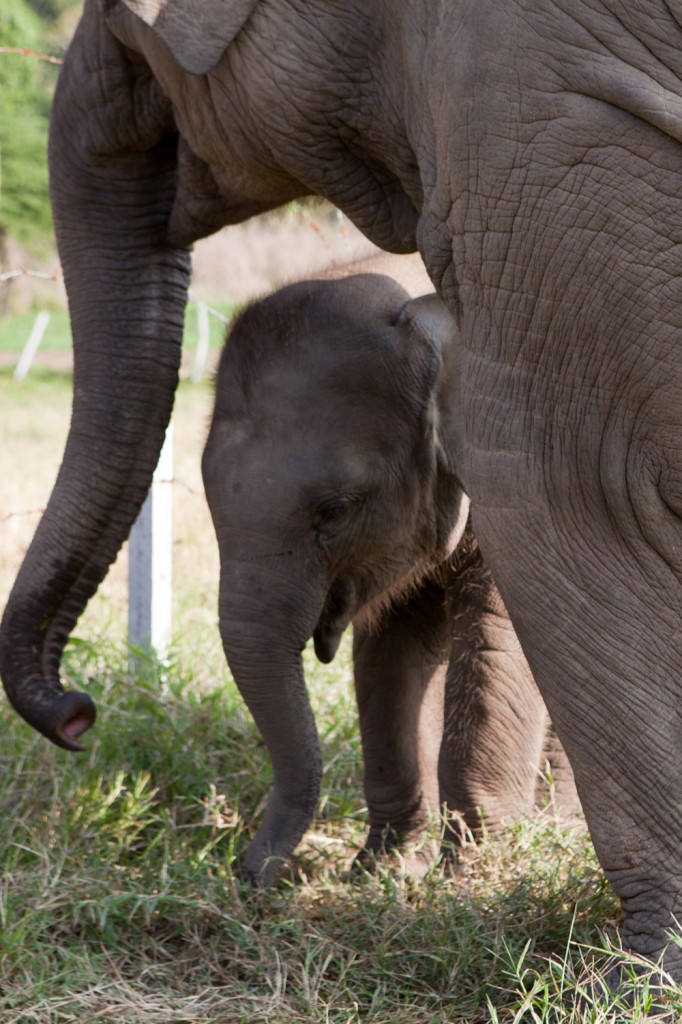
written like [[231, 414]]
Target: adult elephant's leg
[[569, 397], [571, 400], [600, 621], [495, 718], [113, 169], [400, 669], [577, 508]]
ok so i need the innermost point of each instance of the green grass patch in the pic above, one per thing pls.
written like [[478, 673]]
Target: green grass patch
[[14, 332]]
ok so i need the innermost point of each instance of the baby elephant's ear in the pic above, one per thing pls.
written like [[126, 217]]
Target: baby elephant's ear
[[429, 319], [197, 32], [431, 335]]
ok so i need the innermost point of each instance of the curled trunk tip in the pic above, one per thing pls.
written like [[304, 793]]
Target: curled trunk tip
[[62, 718]]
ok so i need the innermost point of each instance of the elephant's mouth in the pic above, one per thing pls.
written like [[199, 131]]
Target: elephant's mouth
[[337, 614]]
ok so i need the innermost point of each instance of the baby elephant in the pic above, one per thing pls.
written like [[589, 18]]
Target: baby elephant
[[330, 478]]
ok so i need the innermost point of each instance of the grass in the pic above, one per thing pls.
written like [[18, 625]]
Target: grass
[[16, 329], [120, 899]]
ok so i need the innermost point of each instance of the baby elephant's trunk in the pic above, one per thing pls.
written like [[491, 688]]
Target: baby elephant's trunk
[[263, 649]]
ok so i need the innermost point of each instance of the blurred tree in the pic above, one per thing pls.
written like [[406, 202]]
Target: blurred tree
[[50, 10], [26, 86]]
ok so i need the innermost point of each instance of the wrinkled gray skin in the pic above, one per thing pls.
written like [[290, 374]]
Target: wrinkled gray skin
[[531, 151], [329, 460]]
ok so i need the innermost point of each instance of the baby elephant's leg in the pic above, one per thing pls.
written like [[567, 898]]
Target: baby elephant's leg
[[495, 718], [400, 667]]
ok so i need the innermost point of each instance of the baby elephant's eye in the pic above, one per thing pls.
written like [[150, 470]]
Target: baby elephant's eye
[[333, 511]]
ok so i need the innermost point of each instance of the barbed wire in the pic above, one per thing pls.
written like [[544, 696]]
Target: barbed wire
[[56, 275], [9, 275], [25, 512], [21, 513], [23, 51]]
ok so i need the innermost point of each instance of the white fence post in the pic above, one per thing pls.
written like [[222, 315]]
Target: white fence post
[[203, 342], [32, 344], [150, 561]]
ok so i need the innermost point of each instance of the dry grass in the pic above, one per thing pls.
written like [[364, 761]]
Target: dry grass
[[119, 897]]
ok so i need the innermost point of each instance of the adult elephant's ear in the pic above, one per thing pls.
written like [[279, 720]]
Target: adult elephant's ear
[[197, 32]]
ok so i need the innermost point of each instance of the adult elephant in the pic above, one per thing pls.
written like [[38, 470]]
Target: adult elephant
[[531, 151]]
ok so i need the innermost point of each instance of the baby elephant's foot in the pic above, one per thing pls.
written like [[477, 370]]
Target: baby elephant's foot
[[411, 858]]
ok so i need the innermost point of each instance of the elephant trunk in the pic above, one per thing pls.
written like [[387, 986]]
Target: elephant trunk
[[111, 219], [264, 626]]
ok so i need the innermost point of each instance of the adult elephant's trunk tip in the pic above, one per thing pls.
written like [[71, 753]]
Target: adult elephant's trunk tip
[[62, 716], [69, 716]]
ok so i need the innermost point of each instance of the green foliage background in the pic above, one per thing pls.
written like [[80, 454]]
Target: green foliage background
[[26, 87]]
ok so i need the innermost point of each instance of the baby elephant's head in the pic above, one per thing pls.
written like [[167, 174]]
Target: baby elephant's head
[[327, 467]]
